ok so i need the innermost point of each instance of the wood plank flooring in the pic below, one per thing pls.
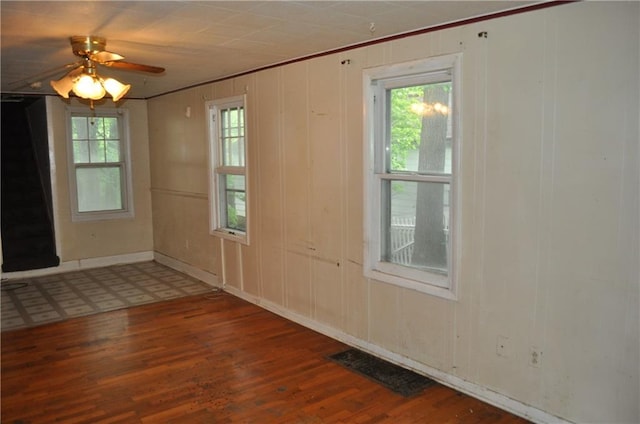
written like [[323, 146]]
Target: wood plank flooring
[[202, 359]]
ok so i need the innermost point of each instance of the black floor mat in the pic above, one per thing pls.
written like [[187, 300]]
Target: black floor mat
[[402, 381]]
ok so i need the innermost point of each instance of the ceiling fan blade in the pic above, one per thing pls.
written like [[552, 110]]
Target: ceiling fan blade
[[134, 67], [76, 71], [105, 56], [43, 75]]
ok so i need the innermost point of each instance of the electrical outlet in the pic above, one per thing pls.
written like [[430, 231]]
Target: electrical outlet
[[502, 346], [535, 357]]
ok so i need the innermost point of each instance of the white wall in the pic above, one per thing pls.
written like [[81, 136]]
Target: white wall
[[118, 238], [550, 208]]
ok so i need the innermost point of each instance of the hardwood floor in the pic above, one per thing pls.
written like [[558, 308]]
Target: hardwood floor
[[202, 359]]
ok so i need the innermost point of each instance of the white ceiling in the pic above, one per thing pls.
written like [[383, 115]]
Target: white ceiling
[[202, 41]]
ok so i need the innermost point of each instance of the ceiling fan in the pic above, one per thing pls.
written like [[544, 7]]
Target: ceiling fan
[[84, 80]]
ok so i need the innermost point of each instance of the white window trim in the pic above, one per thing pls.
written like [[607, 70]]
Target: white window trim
[[384, 271], [212, 107], [127, 211]]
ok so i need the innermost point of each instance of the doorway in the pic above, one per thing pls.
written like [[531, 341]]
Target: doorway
[[28, 237]]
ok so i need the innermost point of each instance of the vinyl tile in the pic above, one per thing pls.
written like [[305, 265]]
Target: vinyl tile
[[34, 301]]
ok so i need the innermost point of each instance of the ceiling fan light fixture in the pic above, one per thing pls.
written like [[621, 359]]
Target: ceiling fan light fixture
[[88, 87], [84, 80], [115, 88]]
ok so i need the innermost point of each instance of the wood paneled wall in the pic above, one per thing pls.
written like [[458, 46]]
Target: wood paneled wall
[[549, 208]]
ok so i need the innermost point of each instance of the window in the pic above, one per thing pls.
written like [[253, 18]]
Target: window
[[411, 159], [228, 171], [99, 167]]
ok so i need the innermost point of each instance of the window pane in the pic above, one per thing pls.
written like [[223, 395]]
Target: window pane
[[235, 182], [99, 189], [79, 127], [96, 151], [111, 128], [96, 128], [80, 151], [417, 225], [232, 137], [235, 197], [113, 150], [420, 128]]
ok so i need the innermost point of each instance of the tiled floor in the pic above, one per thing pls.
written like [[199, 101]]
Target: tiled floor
[[35, 301]]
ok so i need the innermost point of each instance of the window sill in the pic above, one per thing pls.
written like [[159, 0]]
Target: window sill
[[101, 216], [239, 237], [419, 286]]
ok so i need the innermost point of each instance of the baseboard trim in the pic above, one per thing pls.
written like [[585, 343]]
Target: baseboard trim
[[482, 393], [80, 264], [185, 268]]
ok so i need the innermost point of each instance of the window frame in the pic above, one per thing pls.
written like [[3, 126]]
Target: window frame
[[126, 184], [375, 82], [217, 169]]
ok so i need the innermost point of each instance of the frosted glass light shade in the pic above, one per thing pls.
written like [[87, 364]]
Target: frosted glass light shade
[[86, 84], [63, 86], [88, 87], [115, 88]]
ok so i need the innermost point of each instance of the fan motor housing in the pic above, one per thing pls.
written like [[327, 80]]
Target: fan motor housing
[[85, 46]]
